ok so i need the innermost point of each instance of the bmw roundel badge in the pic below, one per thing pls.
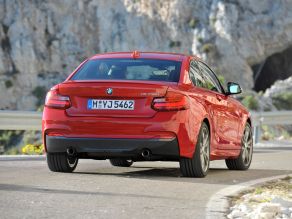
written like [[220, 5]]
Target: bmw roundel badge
[[109, 91]]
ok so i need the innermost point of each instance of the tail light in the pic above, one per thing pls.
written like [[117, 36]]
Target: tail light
[[171, 102], [57, 101]]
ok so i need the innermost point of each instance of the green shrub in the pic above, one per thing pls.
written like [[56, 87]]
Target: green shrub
[[212, 21], [174, 44], [8, 84], [221, 79], [285, 134], [40, 108], [208, 47], [40, 93], [8, 138], [283, 101], [268, 133], [193, 23], [267, 109], [32, 137], [13, 151], [200, 39], [250, 102], [273, 132]]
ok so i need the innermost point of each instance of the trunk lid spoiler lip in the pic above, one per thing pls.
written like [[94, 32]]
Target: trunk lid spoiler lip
[[168, 83]]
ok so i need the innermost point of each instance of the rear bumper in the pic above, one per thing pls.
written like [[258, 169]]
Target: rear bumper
[[182, 125], [111, 147]]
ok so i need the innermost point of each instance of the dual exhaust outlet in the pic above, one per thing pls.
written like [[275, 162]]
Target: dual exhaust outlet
[[146, 153], [71, 152]]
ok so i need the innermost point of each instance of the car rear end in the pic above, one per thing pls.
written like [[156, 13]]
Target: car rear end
[[124, 105]]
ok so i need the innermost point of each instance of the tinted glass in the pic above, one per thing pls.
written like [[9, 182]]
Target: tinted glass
[[211, 80], [195, 75], [129, 69]]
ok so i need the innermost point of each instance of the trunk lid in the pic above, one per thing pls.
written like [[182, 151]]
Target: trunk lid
[[141, 92]]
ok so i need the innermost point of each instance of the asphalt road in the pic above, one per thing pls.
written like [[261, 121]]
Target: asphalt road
[[145, 190]]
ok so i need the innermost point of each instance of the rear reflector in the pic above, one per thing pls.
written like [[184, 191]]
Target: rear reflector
[[57, 101], [171, 102], [135, 54]]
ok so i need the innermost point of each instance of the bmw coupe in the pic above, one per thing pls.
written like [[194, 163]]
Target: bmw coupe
[[146, 106]]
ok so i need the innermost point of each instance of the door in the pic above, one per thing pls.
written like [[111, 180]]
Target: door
[[225, 119], [212, 101]]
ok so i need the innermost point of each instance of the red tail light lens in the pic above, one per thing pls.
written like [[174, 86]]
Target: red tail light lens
[[171, 102], [57, 101]]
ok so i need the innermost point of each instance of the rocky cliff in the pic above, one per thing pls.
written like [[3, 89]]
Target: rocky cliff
[[43, 41]]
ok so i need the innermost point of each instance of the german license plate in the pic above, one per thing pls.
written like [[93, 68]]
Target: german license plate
[[110, 104]]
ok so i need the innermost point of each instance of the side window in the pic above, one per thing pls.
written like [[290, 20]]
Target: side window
[[211, 80], [195, 75]]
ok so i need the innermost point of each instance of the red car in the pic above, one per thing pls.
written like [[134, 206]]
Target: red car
[[146, 106]]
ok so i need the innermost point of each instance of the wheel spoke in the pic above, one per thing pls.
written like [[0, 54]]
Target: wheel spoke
[[204, 149], [243, 154], [246, 146], [206, 157], [207, 140], [205, 137], [207, 149], [205, 163], [246, 156], [249, 154], [246, 134], [202, 152], [202, 155]]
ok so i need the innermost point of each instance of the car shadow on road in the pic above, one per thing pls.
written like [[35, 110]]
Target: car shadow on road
[[215, 175], [41, 190]]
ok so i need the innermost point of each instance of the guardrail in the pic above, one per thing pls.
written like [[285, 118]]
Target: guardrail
[[20, 120], [29, 120], [269, 118]]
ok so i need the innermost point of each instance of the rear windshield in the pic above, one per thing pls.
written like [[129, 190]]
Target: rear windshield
[[129, 69]]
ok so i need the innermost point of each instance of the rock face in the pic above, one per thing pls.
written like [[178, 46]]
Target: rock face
[[276, 67], [280, 87], [43, 41]]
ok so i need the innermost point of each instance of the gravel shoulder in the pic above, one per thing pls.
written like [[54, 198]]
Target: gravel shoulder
[[269, 200]]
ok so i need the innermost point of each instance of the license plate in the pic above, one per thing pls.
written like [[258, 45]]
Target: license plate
[[110, 104]]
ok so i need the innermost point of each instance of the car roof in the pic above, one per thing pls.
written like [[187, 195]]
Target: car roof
[[145, 55]]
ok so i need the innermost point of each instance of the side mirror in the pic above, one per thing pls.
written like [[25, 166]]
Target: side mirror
[[233, 88]]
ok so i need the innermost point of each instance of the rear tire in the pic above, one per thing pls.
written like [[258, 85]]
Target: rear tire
[[198, 166], [60, 162], [117, 162], [244, 159]]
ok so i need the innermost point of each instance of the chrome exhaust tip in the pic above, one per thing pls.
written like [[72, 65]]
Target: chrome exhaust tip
[[71, 152], [146, 153]]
